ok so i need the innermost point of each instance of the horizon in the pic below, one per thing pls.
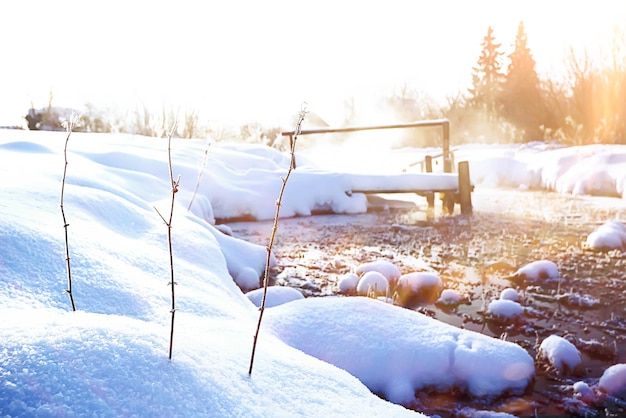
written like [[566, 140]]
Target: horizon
[[261, 65]]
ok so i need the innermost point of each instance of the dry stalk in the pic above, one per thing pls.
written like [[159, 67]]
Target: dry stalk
[[200, 172], [69, 126], [168, 223], [292, 166]]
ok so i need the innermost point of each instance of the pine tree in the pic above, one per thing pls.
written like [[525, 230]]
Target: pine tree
[[521, 97], [487, 76]]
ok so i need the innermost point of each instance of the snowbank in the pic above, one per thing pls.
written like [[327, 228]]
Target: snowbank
[[395, 351]]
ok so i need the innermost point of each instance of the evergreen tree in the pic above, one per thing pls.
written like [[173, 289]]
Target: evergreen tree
[[487, 76], [521, 97]]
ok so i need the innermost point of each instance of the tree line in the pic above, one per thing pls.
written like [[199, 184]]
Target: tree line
[[587, 106], [506, 102]]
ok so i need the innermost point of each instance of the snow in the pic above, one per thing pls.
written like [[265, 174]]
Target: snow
[[373, 282], [348, 282], [450, 297], [419, 285], [384, 267], [584, 391], [613, 380], [562, 354], [595, 170], [509, 294], [504, 309], [611, 235], [385, 346], [538, 270], [327, 355], [276, 295]]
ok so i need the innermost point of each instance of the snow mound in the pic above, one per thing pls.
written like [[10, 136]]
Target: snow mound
[[247, 278], [610, 235], [509, 294], [613, 380], [538, 270], [276, 295], [562, 354], [373, 282], [504, 309], [395, 361], [418, 287], [384, 267], [348, 283], [584, 391], [449, 297]]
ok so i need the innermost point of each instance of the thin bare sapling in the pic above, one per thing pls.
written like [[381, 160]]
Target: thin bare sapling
[[69, 126], [168, 222], [292, 166]]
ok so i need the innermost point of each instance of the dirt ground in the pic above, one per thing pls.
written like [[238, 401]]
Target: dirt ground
[[477, 255]]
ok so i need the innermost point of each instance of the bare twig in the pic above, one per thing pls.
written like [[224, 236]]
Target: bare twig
[[69, 126], [168, 223], [204, 160], [292, 166]]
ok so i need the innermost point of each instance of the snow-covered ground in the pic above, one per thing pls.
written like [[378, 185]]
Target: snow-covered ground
[[322, 356]]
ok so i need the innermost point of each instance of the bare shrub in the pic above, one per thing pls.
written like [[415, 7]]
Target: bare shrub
[[69, 125], [266, 276], [168, 222]]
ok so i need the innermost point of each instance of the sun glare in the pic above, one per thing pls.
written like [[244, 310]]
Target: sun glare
[[248, 60]]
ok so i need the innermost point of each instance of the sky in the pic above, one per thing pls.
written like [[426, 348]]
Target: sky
[[315, 356], [245, 60]]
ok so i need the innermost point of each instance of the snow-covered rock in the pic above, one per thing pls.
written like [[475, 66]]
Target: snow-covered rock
[[562, 354], [347, 283], [383, 266], [613, 380], [419, 287], [610, 235], [509, 294], [504, 309], [373, 281], [449, 297], [537, 270]]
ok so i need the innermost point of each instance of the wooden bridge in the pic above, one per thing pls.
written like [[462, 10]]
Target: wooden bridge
[[455, 187]]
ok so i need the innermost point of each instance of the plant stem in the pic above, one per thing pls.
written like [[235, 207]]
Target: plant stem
[[204, 160], [292, 166], [168, 223], [69, 125]]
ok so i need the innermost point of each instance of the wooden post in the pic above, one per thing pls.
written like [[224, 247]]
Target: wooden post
[[448, 197], [465, 188], [430, 197]]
